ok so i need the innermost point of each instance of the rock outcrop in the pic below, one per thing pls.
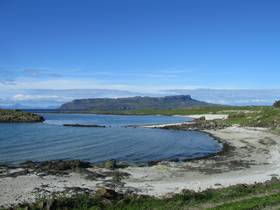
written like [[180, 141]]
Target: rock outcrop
[[17, 116]]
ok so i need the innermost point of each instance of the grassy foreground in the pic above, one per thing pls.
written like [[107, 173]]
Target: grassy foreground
[[18, 116], [238, 197]]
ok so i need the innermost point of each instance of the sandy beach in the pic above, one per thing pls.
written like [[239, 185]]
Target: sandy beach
[[194, 117], [207, 116], [250, 155], [28, 188]]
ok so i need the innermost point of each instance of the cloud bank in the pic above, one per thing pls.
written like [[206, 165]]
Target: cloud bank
[[40, 87], [54, 98]]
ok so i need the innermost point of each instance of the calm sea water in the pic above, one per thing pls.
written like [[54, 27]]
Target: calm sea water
[[50, 140]]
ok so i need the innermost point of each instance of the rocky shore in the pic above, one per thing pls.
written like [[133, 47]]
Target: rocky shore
[[32, 181], [199, 125], [17, 116]]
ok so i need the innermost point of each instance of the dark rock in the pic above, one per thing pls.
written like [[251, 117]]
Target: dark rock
[[56, 166], [29, 164], [107, 194], [110, 164], [153, 162], [200, 125], [175, 160], [85, 126], [64, 164], [201, 119], [94, 176]]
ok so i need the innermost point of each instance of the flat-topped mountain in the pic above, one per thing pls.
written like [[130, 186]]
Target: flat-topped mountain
[[132, 103]]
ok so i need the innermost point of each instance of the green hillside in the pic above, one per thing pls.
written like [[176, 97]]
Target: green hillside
[[133, 103]]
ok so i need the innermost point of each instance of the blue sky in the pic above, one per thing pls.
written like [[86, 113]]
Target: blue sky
[[143, 46]]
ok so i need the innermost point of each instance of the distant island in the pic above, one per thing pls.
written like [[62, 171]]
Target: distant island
[[132, 103], [17, 116]]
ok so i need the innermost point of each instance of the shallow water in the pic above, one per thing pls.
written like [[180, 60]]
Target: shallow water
[[50, 140]]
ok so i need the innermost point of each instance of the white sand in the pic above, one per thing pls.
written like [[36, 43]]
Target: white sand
[[223, 171], [197, 116], [207, 116], [163, 125], [24, 188]]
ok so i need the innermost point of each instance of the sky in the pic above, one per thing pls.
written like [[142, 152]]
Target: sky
[[57, 50]]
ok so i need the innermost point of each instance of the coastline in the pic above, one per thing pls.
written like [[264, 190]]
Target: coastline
[[249, 155], [248, 160], [206, 116], [193, 117]]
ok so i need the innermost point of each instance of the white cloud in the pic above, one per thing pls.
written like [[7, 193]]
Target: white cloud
[[23, 97], [64, 84]]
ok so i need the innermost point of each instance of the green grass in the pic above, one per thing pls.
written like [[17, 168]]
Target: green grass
[[266, 117], [253, 116], [235, 197], [187, 111], [252, 203]]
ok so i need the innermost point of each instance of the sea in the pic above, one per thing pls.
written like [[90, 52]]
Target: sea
[[50, 140]]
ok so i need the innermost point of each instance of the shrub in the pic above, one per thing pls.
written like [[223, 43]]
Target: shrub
[[277, 104], [237, 115]]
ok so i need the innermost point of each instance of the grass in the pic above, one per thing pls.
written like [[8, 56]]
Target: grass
[[190, 111], [252, 203], [253, 116], [186, 111], [237, 197], [268, 117]]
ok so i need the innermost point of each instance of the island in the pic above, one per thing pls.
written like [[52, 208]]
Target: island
[[18, 116], [126, 105]]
